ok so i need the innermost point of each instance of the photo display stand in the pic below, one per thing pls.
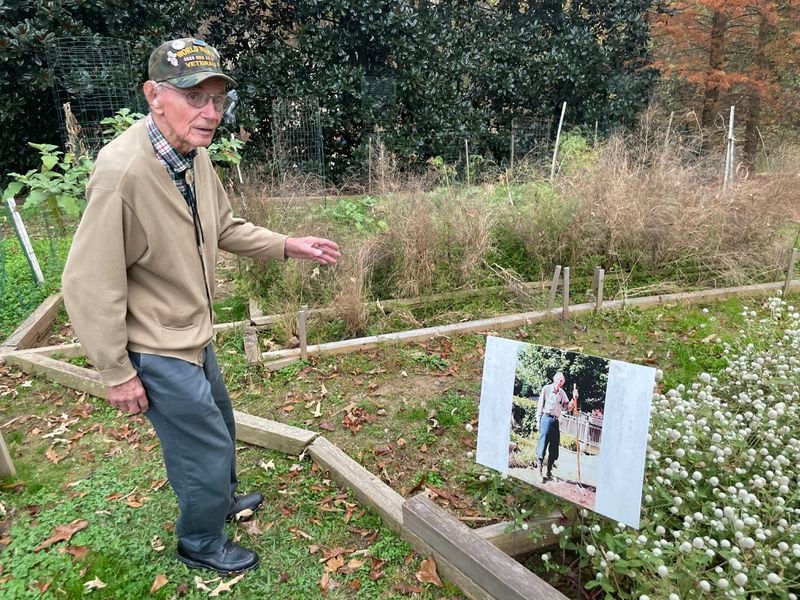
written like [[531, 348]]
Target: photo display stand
[[570, 424]]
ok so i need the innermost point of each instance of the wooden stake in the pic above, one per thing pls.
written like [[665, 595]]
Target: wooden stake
[[513, 142], [594, 279], [25, 241], [251, 350], [6, 465], [598, 301], [302, 331], [565, 294], [466, 154], [558, 140], [255, 310], [554, 286], [790, 272]]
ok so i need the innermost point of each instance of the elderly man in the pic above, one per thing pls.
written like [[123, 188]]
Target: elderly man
[[552, 401], [139, 284]]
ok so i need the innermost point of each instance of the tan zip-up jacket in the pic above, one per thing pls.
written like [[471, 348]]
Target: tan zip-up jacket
[[134, 276]]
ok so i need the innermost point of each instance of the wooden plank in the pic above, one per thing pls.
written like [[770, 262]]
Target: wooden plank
[[790, 271], [514, 321], [517, 541], [6, 464], [445, 568], [271, 434], [232, 325], [367, 487], [565, 295], [488, 567], [67, 350], [277, 365], [251, 350], [36, 325], [71, 376]]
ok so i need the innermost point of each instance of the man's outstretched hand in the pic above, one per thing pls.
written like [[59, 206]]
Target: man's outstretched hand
[[129, 397], [321, 250]]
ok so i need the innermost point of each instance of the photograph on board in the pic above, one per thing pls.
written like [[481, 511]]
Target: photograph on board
[[569, 423]]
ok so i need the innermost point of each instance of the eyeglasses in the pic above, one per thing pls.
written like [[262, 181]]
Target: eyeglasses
[[197, 99]]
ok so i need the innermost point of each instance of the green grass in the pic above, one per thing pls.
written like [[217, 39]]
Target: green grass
[[123, 540], [419, 397], [19, 292]]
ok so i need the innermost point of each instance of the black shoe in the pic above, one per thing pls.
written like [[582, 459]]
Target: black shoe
[[549, 474], [252, 501], [231, 558]]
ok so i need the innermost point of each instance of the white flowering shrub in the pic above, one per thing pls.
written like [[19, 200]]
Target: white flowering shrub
[[721, 509]]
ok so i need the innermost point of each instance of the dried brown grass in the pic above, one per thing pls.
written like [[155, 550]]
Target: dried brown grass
[[350, 300], [436, 242], [657, 210]]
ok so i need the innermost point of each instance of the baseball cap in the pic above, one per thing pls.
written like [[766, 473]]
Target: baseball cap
[[185, 62]]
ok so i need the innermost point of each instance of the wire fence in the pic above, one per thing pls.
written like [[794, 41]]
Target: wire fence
[[94, 76]]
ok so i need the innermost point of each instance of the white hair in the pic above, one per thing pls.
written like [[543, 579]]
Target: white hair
[[559, 375]]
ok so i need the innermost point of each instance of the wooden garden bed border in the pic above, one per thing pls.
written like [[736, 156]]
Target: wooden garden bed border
[[478, 562], [367, 487], [517, 320]]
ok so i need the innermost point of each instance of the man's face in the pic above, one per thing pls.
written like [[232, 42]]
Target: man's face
[[184, 126], [558, 382]]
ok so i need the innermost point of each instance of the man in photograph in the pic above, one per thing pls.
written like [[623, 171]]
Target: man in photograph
[[552, 401]]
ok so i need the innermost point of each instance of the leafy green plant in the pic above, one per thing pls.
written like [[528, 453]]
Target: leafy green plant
[[359, 213], [447, 172], [121, 120], [58, 185], [225, 152]]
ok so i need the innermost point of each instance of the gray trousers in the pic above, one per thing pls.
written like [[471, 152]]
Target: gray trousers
[[191, 412]]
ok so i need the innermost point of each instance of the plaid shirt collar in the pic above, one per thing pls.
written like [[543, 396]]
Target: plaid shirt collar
[[172, 159]]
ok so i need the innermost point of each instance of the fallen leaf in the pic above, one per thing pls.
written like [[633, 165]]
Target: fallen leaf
[[376, 570], [159, 582], [267, 466], [52, 455], [182, 589], [354, 584], [78, 552], [252, 527], [406, 588], [283, 577], [427, 572], [157, 484], [325, 426], [225, 586], [156, 544], [94, 584], [300, 533], [62, 533], [324, 582], [334, 564], [243, 515]]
